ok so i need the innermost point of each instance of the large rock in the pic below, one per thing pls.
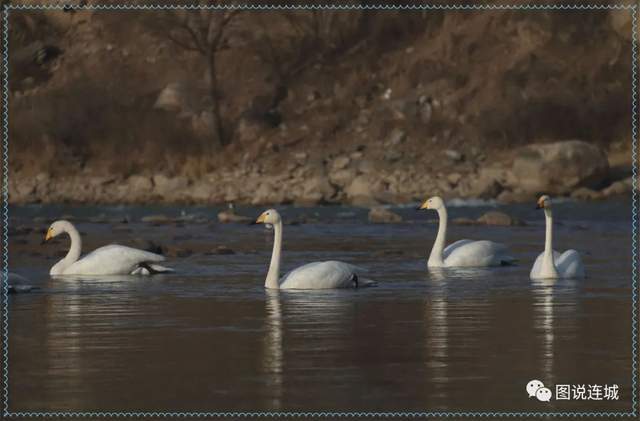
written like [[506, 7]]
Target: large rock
[[269, 192], [483, 185], [618, 188], [359, 191], [585, 193], [139, 184], [342, 177], [560, 167], [317, 189], [166, 186]]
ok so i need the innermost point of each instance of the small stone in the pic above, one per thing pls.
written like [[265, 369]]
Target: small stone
[[453, 155], [396, 137], [340, 162], [301, 156], [392, 156]]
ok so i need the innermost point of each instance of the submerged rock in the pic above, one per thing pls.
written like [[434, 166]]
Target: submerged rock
[[223, 250], [464, 221], [499, 218], [157, 219], [230, 216], [380, 215]]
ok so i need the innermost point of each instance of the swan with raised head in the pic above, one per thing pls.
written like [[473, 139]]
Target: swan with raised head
[[317, 275], [462, 253], [108, 260], [550, 264]]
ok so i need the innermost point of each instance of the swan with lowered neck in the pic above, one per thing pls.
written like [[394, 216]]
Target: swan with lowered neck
[[462, 253], [108, 260], [317, 275], [550, 264]]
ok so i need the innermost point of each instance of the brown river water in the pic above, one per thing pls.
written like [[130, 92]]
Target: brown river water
[[210, 338]]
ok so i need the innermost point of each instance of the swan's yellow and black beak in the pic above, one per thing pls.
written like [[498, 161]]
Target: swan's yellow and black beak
[[540, 204], [261, 218], [423, 206], [47, 236]]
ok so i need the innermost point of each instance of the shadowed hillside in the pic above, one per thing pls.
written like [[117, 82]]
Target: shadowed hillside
[[317, 106]]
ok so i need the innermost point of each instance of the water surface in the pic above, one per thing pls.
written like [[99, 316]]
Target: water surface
[[210, 338]]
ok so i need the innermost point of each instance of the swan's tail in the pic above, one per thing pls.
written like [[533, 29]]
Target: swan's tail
[[367, 283], [361, 282], [145, 268], [508, 261]]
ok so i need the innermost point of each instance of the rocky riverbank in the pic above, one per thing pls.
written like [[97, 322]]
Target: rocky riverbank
[[485, 104], [569, 168]]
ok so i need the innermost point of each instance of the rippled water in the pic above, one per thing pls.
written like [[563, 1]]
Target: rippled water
[[211, 338]]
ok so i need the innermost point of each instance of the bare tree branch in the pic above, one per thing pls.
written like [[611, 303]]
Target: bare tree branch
[[182, 44]]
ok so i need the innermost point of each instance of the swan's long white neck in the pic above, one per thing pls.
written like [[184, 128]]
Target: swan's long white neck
[[435, 258], [548, 265], [74, 251], [273, 276]]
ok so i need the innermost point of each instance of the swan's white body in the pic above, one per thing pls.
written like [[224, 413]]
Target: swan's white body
[[317, 275], [108, 260], [462, 253], [550, 264]]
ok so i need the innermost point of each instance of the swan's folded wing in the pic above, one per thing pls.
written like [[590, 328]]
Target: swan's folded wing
[[453, 246], [570, 265], [320, 275], [467, 253], [112, 260]]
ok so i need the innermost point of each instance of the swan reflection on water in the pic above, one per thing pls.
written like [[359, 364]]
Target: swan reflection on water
[[544, 304], [459, 273], [272, 362]]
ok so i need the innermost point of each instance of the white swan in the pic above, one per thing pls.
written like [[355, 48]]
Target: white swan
[[462, 253], [316, 275], [108, 260], [550, 264]]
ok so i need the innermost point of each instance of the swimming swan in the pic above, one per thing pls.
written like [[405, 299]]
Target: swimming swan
[[108, 260], [316, 275], [550, 264], [462, 253]]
